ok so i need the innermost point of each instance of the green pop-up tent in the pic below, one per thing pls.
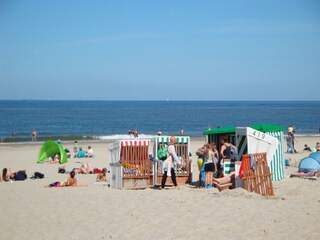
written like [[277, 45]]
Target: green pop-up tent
[[50, 149]]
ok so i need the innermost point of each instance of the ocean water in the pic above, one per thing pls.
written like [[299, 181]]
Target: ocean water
[[105, 118]]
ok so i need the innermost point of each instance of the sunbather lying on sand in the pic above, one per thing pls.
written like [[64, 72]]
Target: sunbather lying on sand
[[224, 180], [9, 174], [86, 168], [55, 159]]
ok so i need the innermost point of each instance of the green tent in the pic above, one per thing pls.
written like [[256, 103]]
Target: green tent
[[50, 149]]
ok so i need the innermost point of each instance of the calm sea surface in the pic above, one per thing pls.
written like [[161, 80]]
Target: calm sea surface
[[103, 118]]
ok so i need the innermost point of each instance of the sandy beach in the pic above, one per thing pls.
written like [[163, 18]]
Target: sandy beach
[[31, 211]]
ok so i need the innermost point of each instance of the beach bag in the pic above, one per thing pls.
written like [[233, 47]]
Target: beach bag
[[162, 153], [38, 175], [20, 176], [231, 153], [61, 170]]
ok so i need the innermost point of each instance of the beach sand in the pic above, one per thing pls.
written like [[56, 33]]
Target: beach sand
[[31, 211]]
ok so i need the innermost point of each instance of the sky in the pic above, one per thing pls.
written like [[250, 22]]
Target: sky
[[159, 50]]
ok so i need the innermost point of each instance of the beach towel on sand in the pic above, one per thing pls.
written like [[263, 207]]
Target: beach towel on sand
[[58, 185]]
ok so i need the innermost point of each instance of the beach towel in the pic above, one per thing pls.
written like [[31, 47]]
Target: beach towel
[[101, 183], [58, 185]]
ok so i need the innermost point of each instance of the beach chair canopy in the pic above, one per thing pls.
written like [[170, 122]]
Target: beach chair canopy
[[50, 149], [309, 164]]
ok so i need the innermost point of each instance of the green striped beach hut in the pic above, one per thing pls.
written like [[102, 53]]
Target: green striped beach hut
[[184, 140], [179, 139], [277, 166], [182, 147]]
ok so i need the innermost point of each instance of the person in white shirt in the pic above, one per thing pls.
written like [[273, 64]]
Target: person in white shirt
[[89, 152], [168, 164]]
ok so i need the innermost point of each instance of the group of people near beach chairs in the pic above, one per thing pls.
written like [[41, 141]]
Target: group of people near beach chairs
[[212, 163], [85, 168], [8, 175]]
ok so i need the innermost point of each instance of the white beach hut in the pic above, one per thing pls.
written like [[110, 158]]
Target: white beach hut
[[264, 138], [130, 166]]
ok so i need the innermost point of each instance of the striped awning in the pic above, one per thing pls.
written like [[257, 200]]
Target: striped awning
[[179, 139], [135, 143], [277, 167]]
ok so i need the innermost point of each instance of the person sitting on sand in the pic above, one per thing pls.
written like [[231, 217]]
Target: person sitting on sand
[[307, 148], [56, 158], [72, 180], [102, 177], [75, 148], [81, 153], [230, 178], [316, 148], [69, 182], [89, 152]]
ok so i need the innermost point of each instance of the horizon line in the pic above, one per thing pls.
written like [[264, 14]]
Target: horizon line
[[164, 100]]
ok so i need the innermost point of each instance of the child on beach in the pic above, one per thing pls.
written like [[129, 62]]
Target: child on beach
[[56, 158], [215, 157], [102, 177], [307, 148], [81, 153], [89, 152], [75, 148], [316, 148], [209, 166]]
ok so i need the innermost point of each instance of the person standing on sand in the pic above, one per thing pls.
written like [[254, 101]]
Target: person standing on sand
[[34, 134], [226, 150], [168, 164], [209, 166], [135, 134], [181, 132]]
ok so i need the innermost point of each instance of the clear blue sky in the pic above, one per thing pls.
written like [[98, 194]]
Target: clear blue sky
[[155, 50]]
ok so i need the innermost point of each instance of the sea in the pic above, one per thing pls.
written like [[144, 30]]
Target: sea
[[103, 120]]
